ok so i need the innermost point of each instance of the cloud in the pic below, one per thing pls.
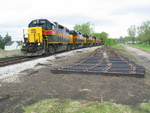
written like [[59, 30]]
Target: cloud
[[141, 10], [79, 19], [15, 33], [112, 16]]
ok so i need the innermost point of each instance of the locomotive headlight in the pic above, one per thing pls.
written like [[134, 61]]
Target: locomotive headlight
[[24, 44], [39, 44]]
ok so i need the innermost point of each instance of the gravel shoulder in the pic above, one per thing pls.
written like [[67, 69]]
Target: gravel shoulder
[[37, 83], [141, 56]]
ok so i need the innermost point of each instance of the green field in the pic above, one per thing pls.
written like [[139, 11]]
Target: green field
[[70, 106], [117, 46], [10, 53], [141, 46]]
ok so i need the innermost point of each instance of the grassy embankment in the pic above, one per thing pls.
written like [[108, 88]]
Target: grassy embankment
[[10, 53], [69, 106], [141, 46], [118, 46]]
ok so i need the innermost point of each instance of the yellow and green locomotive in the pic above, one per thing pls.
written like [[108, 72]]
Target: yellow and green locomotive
[[43, 36]]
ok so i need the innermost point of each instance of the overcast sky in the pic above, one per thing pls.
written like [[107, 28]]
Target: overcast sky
[[111, 16]]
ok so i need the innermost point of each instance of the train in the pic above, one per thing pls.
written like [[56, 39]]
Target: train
[[45, 37]]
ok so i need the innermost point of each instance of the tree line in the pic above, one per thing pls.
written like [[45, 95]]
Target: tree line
[[88, 28], [4, 40], [140, 34]]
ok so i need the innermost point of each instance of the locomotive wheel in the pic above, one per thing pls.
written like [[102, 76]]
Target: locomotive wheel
[[68, 47], [52, 49]]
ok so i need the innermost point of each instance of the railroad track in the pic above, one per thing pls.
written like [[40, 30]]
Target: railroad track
[[18, 59], [104, 61], [14, 60]]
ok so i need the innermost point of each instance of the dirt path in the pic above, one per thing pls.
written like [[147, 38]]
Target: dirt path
[[138, 52], [142, 56], [39, 83]]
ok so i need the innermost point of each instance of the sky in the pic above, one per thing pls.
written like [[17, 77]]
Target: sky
[[111, 16]]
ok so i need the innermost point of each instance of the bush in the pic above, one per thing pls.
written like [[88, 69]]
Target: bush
[[110, 42]]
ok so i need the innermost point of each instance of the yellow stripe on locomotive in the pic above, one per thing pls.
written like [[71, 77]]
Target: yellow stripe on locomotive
[[71, 39], [85, 40]]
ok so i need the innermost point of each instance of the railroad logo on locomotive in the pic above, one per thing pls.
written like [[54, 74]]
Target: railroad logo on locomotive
[[33, 31]]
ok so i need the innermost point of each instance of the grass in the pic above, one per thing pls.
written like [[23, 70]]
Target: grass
[[10, 53], [1, 50], [69, 106], [141, 46], [117, 46], [124, 51], [145, 106]]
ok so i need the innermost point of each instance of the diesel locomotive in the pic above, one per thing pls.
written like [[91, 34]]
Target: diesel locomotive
[[43, 36]]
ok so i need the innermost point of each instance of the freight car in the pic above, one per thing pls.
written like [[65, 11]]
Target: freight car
[[43, 36]]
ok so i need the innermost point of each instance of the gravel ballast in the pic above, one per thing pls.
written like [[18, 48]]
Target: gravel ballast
[[13, 70]]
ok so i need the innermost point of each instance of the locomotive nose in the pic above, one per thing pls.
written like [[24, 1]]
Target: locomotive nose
[[35, 35]]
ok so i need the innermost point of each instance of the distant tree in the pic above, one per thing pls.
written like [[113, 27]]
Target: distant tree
[[84, 28], [1, 42], [127, 38], [97, 34], [4, 40], [132, 33], [7, 38], [1, 37], [121, 39], [144, 32], [109, 42], [103, 35]]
